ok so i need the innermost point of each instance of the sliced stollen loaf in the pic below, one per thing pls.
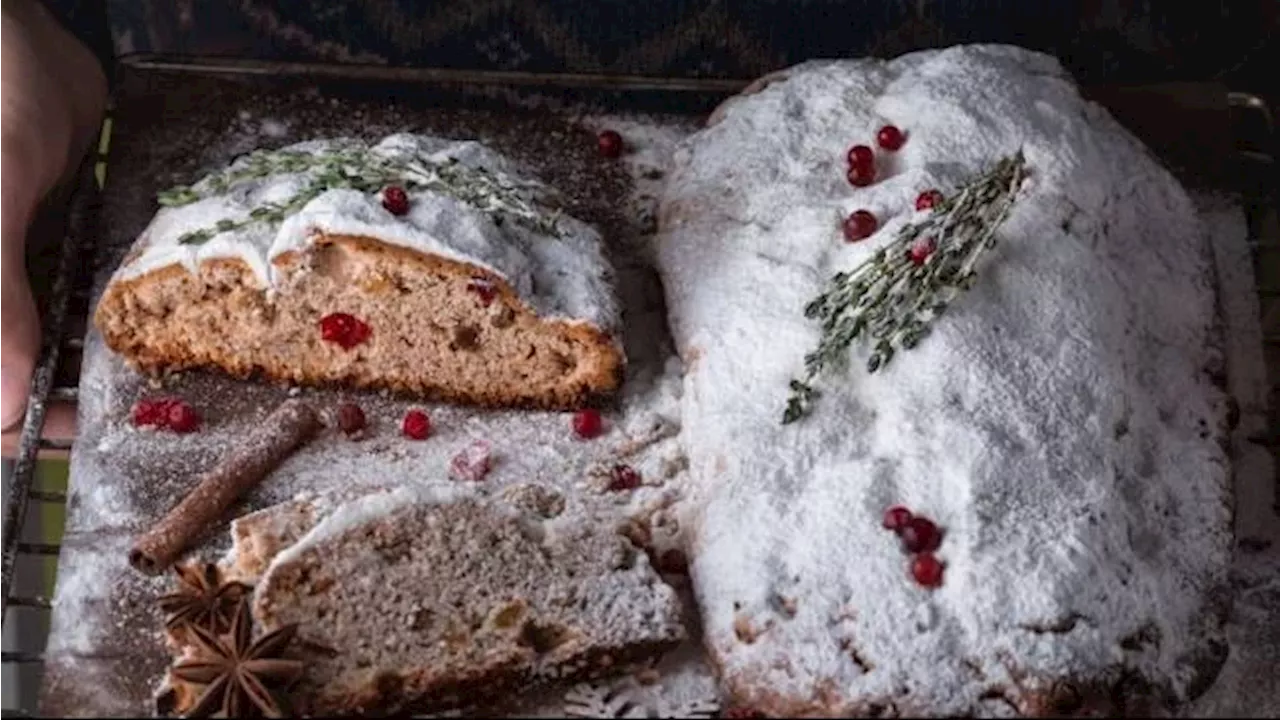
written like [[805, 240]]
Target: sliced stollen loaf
[[415, 600], [1060, 424], [417, 264]]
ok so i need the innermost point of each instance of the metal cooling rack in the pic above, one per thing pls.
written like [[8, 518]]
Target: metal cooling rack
[[1256, 154]]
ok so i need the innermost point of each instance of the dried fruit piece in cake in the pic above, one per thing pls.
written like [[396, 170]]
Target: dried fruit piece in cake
[[1046, 541], [415, 600], [417, 264]]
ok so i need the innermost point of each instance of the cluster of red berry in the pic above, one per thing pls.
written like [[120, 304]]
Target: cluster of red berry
[[166, 413], [862, 224], [920, 538]]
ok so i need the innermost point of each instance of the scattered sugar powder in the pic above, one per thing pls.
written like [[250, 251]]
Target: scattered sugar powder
[[146, 469], [1058, 424]]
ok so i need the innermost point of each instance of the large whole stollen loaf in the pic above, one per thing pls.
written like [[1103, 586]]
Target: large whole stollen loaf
[[1061, 423], [419, 600], [417, 264]]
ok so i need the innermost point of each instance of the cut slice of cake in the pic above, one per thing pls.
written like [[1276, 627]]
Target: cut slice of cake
[[415, 600], [1025, 511], [417, 264]]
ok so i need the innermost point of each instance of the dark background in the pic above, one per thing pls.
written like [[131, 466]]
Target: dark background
[[1101, 41]]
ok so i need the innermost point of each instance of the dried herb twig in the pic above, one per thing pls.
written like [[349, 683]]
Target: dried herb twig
[[894, 296], [355, 166]]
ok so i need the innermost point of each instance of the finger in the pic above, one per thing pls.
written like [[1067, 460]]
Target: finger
[[19, 340], [59, 426]]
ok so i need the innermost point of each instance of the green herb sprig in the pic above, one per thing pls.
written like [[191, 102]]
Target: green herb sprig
[[892, 299], [356, 167]]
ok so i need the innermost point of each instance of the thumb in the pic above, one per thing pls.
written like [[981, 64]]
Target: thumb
[[19, 339]]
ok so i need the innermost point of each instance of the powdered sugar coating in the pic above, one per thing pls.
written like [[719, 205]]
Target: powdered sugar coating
[[1059, 423], [565, 275]]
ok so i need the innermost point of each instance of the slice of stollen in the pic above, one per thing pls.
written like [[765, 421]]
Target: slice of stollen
[[420, 600], [418, 264]]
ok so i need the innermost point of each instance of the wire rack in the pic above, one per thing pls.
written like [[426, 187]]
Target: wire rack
[[71, 290]]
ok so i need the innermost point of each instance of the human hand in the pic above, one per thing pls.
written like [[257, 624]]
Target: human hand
[[52, 93]]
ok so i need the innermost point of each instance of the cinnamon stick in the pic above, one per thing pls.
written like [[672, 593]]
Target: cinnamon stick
[[284, 430]]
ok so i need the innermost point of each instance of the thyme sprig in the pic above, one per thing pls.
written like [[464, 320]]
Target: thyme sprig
[[892, 299], [357, 167]]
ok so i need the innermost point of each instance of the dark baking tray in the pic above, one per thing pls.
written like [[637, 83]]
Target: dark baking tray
[[170, 121]]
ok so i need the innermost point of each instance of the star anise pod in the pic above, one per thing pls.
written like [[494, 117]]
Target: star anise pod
[[202, 599], [239, 675]]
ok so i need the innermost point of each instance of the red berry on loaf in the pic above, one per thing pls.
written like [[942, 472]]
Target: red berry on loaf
[[182, 418], [920, 535], [610, 143], [921, 250], [623, 477], [890, 137], [344, 330], [588, 423], [861, 175], [896, 518], [395, 200], [483, 289], [861, 156], [416, 425], [927, 570], [473, 462], [860, 225], [928, 199], [351, 418]]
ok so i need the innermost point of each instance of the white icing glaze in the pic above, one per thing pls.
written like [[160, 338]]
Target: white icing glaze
[[565, 276], [363, 510], [1058, 423]]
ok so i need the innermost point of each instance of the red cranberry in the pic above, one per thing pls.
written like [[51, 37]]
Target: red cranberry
[[416, 425], [623, 477], [921, 250], [860, 225], [861, 156], [610, 143], [347, 331], [588, 423], [920, 535], [473, 462], [673, 562], [483, 289], [927, 570], [928, 199], [741, 712], [895, 518], [395, 200], [351, 418], [861, 175], [182, 418], [890, 137], [152, 412]]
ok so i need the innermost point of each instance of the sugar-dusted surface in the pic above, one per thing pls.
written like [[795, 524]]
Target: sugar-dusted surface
[[1249, 685], [560, 275], [105, 653], [124, 479], [1060, 423]]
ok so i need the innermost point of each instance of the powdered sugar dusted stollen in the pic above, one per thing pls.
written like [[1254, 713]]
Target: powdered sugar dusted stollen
[[429, 598], [299, 264], [1061, 422]]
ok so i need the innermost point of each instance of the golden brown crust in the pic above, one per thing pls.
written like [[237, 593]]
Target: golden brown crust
[[240, 291]]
